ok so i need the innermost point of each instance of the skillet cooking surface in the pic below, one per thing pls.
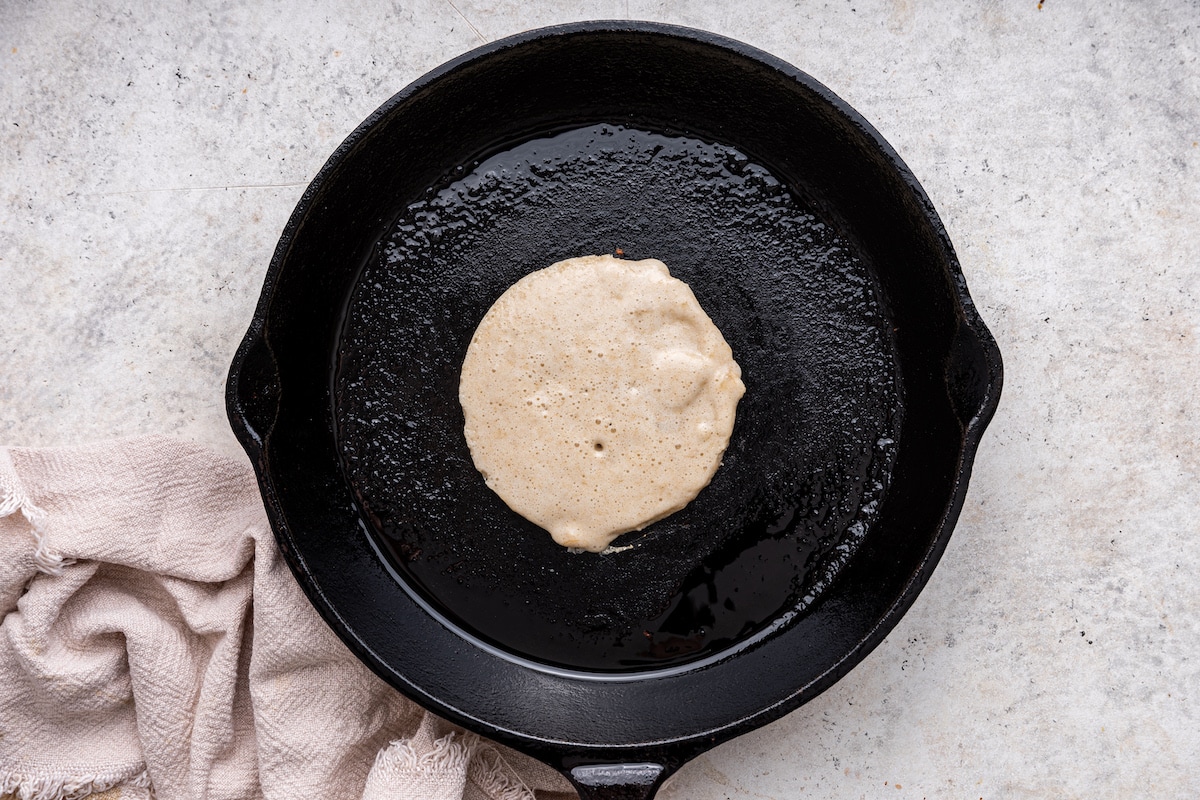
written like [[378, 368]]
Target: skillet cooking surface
[[808, 461]]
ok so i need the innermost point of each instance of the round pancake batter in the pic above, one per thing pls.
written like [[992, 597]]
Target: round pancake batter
[[598, 397]]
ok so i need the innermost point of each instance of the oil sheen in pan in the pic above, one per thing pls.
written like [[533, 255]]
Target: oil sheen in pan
[[811, 450]]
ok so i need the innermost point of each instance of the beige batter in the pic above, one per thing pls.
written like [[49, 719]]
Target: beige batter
[[599, 397]]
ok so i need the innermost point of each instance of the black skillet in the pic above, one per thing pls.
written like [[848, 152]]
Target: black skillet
[[870, 378]]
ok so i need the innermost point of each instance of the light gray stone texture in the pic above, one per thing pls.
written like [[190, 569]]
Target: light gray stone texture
[[150, 156]]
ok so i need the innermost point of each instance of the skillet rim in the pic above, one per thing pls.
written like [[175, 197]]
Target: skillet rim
[[971, 335]]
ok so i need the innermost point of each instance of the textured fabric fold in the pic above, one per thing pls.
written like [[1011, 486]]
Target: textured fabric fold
[[154, 643]]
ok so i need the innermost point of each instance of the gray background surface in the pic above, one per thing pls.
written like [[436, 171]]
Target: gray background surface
[[150, 157]]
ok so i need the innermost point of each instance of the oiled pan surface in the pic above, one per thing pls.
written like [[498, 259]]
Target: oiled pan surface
[[812, 448]]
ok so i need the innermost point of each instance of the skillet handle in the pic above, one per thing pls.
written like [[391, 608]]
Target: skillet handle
[[617, 781]]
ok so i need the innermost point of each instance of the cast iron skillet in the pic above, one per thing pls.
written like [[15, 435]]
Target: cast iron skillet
[[870, 378]]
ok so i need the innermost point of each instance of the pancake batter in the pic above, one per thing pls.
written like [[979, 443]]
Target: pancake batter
[[598, 397]]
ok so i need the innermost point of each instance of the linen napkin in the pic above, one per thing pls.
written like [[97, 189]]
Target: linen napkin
[[153, 643]]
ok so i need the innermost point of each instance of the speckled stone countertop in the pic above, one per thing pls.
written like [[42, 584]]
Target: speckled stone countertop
[[149, 159]]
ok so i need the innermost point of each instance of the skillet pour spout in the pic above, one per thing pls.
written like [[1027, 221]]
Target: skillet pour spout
[[870, 379]]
